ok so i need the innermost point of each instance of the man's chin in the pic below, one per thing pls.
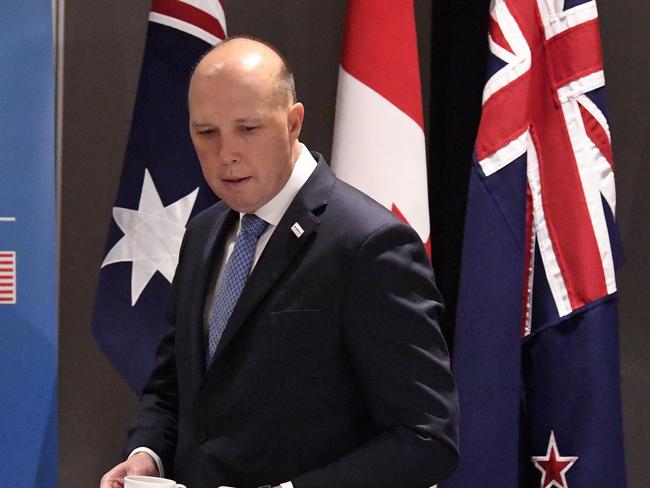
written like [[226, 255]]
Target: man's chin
[[241, 201], [240, 206]]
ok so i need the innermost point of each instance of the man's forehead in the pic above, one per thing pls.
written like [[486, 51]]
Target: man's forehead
[[226, 85]]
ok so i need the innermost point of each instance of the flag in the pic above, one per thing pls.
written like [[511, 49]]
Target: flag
[[160, 188], [379, 144], [7, 277], [536, 344]]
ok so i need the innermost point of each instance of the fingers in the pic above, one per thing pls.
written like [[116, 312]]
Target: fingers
[[114, 478], [138, 464]]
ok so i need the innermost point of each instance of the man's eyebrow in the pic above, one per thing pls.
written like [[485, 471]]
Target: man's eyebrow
[[199, 124], [248, 120], [240, 120]]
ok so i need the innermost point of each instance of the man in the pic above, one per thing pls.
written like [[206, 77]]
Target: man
[[323, 367]]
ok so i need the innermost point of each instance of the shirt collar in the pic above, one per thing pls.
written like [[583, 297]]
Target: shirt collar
[[274, 209]]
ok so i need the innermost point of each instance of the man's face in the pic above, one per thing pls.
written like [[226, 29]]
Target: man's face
[[243, 135]]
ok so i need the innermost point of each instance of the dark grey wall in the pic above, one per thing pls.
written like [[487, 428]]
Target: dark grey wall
[[103, 47], [102, 52], [626, 46]]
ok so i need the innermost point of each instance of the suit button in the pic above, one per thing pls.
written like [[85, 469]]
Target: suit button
[[202, 435]]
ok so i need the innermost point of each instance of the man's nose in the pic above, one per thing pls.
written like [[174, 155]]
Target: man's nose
[[229, 151]]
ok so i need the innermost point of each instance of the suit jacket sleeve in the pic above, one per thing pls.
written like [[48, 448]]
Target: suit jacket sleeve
[[390, 322]]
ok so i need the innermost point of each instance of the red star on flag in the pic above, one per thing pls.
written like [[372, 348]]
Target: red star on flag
[[553, 466]]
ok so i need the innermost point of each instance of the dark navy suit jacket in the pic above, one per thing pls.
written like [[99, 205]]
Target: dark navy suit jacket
[[332, 371]]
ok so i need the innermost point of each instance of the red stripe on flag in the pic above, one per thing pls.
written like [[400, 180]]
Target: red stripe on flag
[[566, 212], [497, 36], [7, 277], [380, 50], [597, 134], [7, 285], [575, 53], [190, 14], [7, 262], [6, 292], [565, 206], [7, 299], [495, 130]]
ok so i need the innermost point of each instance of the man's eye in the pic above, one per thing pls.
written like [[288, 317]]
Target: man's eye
[[205, 132], [249, 128]]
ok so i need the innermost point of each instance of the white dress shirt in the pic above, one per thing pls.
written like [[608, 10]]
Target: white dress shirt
[[272, 212]]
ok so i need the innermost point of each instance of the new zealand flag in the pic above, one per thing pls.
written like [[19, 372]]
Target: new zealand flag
[[161, 187], [536, 348]]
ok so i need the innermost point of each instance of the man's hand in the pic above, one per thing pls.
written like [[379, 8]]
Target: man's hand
[[138, 464]]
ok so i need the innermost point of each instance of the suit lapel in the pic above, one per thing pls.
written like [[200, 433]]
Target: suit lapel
[[210, 259], [281, 249]]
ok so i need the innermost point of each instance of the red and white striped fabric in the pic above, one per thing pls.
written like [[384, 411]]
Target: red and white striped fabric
[[379, 144], [552, 49], [7, 277], [204, 19]]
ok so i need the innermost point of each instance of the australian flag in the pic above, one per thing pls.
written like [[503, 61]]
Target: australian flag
[[160, 188], [536, 348]]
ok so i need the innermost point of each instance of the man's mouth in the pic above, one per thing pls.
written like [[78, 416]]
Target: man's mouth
[[232, 182]]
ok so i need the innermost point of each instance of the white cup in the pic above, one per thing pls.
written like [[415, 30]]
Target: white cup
[[150, 482]]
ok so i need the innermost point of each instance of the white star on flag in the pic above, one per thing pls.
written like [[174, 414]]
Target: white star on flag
[[152, 236], [553, 466]]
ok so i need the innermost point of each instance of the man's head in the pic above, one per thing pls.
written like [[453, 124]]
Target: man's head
[[244, 122]]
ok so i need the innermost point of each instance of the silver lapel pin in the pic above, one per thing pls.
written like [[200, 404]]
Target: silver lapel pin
[[297, 230]]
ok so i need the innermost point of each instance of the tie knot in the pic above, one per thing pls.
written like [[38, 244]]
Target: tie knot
[[252, 225]]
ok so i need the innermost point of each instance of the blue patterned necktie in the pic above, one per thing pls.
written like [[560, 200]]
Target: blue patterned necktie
[[233, 279]]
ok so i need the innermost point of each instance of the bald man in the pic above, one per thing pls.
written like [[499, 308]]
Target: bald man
[[304, 347]]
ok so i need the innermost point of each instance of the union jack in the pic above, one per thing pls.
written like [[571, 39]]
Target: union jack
[[545, 102]]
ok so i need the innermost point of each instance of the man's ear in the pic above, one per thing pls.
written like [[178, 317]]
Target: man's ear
[[294, 120]]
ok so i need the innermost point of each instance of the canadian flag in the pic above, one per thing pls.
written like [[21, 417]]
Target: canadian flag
[[379, 144]]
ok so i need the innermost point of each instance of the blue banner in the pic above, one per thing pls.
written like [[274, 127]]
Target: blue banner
[[28, 298]]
